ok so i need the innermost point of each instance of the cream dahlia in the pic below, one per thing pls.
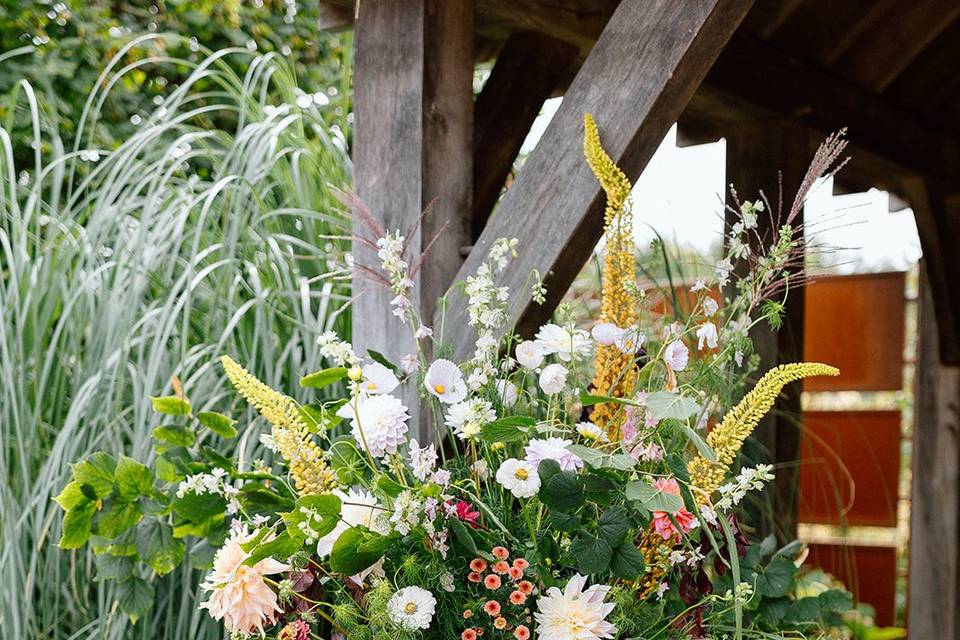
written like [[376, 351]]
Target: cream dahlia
[[238, 593], [379, 423], [412, 608], [575, 613]]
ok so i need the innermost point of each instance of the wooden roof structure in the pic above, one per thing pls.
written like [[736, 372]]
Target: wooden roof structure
[[771, 76]]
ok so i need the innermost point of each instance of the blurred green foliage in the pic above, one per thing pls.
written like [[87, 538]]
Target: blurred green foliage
[[61, 47]]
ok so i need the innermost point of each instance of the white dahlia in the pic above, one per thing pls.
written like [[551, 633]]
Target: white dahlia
[[575, 614], [412, 608], [468, 417], [238, 593], [519, 477], [553, 378], [379, 423], [566, 342]]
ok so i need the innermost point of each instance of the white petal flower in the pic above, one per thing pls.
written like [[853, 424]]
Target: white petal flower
[[378, 379], [422, 461], [707, 334], [359, 508], [591, 431], [507, 392], [555, 449], [379, 423], [606, 333], [468, 417], [710, 306], [553, 378], [566, 342], [423, 332], [412, 608], [575, 613], [676, 355], [519, 477], [630, 340], [529, 354], [445, 381]]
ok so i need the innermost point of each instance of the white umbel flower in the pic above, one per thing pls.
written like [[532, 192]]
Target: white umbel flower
[[378, 379], [529, 354], [445, 381], [519, 477], [468, 417], [575, 613], [553, 378], [566, 342], [412, 608], [379, 423]]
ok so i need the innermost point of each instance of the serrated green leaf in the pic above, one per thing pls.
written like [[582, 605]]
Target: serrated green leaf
[[77, 523], [667, 405], [561, 490], [157, 546], [591, 554], [509, 429], [175, 436], [613, 525], [199, 508], [836, 601], [652, 498], [627, 562], [357, 549], [136, 598], [96, 473], [71, 496], [112, 567], [166, 470], [326, 506], [218, 423], [561, 521], [279, 548], [117, 517], [323, 378], [776, 579], [171, 405], [133, 479]]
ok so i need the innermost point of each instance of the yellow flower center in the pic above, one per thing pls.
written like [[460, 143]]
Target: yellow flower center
[[521, 474], [411, 608], [439, 388], [372, 386]]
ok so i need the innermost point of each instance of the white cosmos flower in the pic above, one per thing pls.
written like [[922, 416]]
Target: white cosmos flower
[[519, 477], [378, 379], [507, 392], [468, 417], [676, 355], [553, 378], [412, 608], [710, 306], [379, 422], [707, 333], [445, 381], [529, 354], [565, 342], [592, 432], [606, 333], [575, 613]]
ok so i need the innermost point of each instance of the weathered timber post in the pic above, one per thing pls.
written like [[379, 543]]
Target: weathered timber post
[[758, 156], [413, 146]]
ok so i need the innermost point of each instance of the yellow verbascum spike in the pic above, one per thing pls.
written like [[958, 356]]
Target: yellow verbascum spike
[[613, 369], [727, 438], [303, 456]]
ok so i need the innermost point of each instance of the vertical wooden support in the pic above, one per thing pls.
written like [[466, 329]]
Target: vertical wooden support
[[413, 146], [934, 593], [760, 157]]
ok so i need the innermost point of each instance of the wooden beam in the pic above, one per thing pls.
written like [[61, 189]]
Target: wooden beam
[[759, 158], [413, 103], [636, 81], [332, 17], [524, 76], [933, 595]]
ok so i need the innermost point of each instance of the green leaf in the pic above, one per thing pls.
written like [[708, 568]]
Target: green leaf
[[702, 447], [597, 459], [175, 436], [627, 562], [166, 470], [652, 498], [71, 496], [613, 525], [591, 554], [776, 579], [171, 406], [564, 521], [133, 479], [463, 538], [357, 549], [112, 567], [588, 400], [562, 489], [376, 356], [836, 601], [218, 423], [664, 404], [136, 598], [773, 610], [279, 548], [389, 486], [77, 523], [803, 610], [96, 473], [509, 429], [323, 378], [116, 518], [326, 506], [199, 508], [157, 546]]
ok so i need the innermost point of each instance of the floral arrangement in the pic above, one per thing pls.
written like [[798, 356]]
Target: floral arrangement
[[572, 488]]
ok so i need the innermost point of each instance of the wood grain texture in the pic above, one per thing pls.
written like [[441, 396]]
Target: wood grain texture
[[934, 599], [524, 76], [636, 80]]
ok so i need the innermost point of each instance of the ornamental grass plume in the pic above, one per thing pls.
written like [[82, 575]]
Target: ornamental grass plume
[[290, 435], [739, 423], [613, 367]]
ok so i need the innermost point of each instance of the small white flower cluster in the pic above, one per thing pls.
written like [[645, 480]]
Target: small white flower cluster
[[337, 350], [689, 557], [468, 417], [390, 252], [488, 310], [407, 512], [423, 463], [309, 525], [749, 479], [214, 482]]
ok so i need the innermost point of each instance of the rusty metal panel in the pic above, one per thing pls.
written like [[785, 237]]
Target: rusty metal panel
[[870, 573], [856, 323], [850, 468]]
